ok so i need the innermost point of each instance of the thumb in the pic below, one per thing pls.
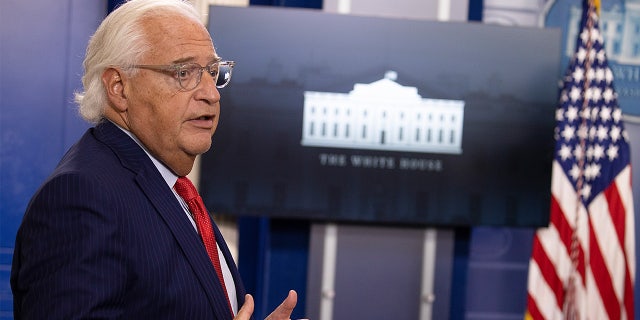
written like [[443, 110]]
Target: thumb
[[284, 310], [247, 309]]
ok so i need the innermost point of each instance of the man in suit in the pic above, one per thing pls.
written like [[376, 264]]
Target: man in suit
[[110, 234]]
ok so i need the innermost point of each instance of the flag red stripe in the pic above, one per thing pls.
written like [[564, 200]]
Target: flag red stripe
[[559, 220], [548, 271], [532, 308], [617, 211], [602, 277], [628, 294], [565, 231], [629, 283]]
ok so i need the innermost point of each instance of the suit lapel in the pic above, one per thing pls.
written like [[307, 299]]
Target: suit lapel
[[240, 290], [167, 206]]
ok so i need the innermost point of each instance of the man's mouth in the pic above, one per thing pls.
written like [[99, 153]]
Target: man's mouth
[[205, 121]]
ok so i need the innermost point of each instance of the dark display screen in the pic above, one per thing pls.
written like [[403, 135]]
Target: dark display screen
[[361, 119]]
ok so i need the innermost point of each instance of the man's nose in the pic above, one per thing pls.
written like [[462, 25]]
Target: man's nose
[[207, 89]]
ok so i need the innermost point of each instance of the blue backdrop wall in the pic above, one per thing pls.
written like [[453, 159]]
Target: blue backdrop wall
[[42, 44]]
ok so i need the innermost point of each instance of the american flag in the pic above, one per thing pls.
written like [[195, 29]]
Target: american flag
[[583, 264]]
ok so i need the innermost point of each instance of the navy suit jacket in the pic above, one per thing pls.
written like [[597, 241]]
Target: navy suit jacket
[[104, 237]]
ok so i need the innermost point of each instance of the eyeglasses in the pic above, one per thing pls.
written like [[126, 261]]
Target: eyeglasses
[[190, 74]]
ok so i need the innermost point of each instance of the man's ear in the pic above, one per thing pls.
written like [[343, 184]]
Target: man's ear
[[114, 86]]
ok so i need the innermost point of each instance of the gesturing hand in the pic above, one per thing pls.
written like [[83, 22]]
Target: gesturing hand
[[246, 310], [282, 312]]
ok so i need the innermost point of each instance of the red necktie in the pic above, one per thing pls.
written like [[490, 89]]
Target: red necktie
[[188, 192]]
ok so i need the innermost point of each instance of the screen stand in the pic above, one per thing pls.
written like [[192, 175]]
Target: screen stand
[[387, 271]]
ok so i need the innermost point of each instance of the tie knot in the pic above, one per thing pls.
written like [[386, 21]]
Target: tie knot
[[185, 189]]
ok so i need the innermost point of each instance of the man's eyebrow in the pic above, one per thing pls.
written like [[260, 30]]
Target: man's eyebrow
[[183, 60], [192, 59]]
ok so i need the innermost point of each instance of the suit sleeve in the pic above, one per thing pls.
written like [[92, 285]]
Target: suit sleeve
[[68, 261]]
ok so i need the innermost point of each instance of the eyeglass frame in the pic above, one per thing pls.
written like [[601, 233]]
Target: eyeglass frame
[[176, 68]]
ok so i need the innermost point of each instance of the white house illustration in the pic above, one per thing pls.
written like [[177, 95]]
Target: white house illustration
[[382, 115]]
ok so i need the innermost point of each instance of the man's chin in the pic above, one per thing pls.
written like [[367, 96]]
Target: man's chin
[[200, 148]]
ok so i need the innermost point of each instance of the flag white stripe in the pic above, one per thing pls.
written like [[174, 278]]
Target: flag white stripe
[[595, 306], [623, 182], [581, 297], [562, 189]]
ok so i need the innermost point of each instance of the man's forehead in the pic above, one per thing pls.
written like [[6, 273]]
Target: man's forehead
[[179, 37]]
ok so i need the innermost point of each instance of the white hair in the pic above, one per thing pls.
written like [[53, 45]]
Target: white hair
[[120, 41]]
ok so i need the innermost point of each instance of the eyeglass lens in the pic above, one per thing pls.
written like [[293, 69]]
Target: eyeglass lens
[[224, 75], [190, 76]]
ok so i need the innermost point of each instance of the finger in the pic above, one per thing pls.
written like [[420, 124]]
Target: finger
[[290, 302], [247, 309], [284, 310]]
